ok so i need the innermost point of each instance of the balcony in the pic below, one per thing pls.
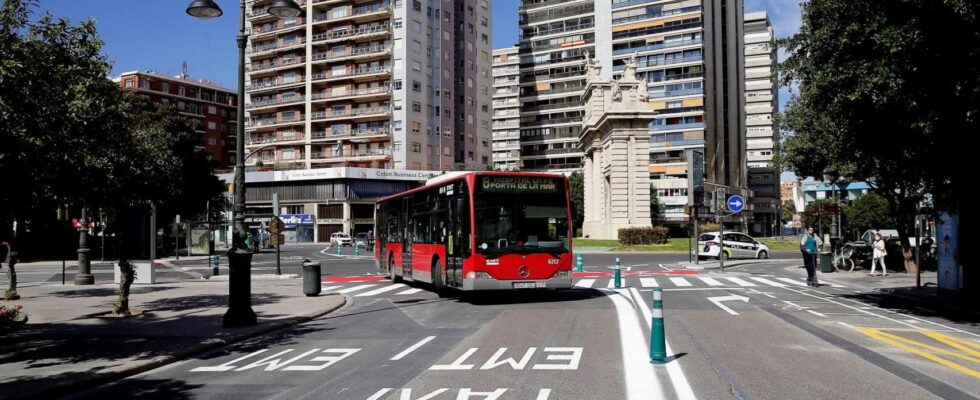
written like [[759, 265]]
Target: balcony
[[267, 122], [278, 29], [352, 53], [269, 85], [381, 91], [657, 46], [351, 134], [275, 102], [667, 61], [279, 45], [268, 66], [332, 156], [676, 93], [559, 30], [674, 77], [549, 107], [350, 113], [550, 152], [675, 127], [370, 31], [296, 137], [362, 13], [350, 74]]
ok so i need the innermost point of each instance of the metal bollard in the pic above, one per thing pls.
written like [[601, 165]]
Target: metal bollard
[[617, 279], [658, 341], [579, 265]]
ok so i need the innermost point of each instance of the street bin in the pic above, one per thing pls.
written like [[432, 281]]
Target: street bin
[[311, 278], [826, 263]]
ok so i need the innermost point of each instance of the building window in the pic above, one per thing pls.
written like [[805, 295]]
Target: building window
[[416, 147], [129, 83], [212, 110], [212, 125], [212, 141]]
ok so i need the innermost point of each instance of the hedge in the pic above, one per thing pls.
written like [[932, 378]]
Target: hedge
[[641, 236]]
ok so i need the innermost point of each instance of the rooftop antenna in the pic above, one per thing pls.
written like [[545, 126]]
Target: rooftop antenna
[[184, 75]]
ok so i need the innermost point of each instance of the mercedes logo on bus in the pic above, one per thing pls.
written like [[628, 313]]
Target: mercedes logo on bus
[[522, 271]]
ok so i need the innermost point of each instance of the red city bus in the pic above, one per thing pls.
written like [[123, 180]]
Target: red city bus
[[478, 231]]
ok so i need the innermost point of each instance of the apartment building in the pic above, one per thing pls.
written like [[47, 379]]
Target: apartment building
[[367, 86], [370, 84], [506, 110], [212, 106], [689, 51], [762, 135]]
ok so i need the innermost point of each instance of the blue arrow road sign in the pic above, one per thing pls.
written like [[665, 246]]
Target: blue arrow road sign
[[736, 203]]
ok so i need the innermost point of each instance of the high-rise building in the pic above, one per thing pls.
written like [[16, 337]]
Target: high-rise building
[[761, 103], [212, 106], [689, 51], [506, 110], [372, 84]]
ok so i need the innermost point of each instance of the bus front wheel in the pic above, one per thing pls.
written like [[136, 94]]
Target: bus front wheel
[[391, 269]]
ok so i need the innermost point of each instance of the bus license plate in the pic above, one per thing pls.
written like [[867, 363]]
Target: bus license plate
[[529, 285]]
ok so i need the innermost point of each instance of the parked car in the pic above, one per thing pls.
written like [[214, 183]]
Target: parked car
[[364, 240], [737, 245], [861, 250], [340, 239]]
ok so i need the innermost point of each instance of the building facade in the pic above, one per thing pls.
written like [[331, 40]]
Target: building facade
[[762, 135], [212, 106], [689, 52], [506, 109], [369, 84]]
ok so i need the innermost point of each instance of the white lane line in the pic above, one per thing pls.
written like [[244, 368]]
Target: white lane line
[[680, 282], [409, 291], [912, 317], [859, 309], [845, 324], [413, 348], [816, 313], [681, 386], [649, 282], [329, 288], [741, 282], [585, 283], [767, 282], [354, 289], [381, 290], [662, 266], [711, 281], [641, 380], [792, 281]]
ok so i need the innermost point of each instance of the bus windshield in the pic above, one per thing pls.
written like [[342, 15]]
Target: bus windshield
[[508, 223]]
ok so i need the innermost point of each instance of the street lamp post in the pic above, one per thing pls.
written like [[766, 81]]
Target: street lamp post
[[240, 311]]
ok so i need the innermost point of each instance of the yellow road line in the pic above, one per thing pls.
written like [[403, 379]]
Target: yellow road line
[[888, 339], [955, 342]]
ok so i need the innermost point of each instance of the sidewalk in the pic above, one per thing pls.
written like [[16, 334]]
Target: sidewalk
[[69, 342], [897, 290]]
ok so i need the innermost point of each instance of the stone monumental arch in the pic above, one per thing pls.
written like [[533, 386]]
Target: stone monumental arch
[[616, 141]]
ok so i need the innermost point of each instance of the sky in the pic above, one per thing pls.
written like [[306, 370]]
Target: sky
[[158, 35]]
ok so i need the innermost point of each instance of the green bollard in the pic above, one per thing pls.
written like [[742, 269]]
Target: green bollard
[[215, 260], [658, 341], [339, 246], [617, 280], [579, 266], [357, 251]]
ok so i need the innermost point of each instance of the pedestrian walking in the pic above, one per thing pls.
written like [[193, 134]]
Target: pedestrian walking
[[808, 247], [878, 255]]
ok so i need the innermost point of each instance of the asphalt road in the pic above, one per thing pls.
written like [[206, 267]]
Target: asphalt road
[[755, 331]]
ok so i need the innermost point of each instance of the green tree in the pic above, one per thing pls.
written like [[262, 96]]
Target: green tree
[[886, 91], [656, 209], [812, 217], [788, 211], [870, 211], [576, 183]]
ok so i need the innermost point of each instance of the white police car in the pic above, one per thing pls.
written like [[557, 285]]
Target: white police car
[[737, 245]]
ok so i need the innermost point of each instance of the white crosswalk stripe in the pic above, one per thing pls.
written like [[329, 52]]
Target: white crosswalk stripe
[[680, 282], [767, 282], [381, 290], [354, 289], [711, 281], [795, 282], [585, 283], [409, 291], [329, 288], [741, 282], [612, 284], [649, 282]]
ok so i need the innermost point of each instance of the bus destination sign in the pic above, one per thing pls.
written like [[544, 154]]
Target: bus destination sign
[[518, 184]]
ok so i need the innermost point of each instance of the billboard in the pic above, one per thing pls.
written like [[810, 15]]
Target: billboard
[[947, 246]]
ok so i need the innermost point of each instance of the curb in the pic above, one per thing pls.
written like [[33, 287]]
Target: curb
[[109, 377], [257, 277], [939, 305]]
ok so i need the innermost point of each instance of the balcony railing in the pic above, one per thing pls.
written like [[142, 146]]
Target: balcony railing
[[277, 64], [349, 93], [274, 121], [657, 46], [559, 30], [350, 53], [674, 93], [351, 74], [273, 84], [276, 45], [329, 155], [671, 77], [363, 10], [353, 32], [695, 125], [657, 62], [278, 29], [331, 134], [548, 152], [297, 136], [353, 112], [273, 102]]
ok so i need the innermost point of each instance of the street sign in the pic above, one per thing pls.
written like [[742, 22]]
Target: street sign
[[276, 240], [736, 203], [276, 226]]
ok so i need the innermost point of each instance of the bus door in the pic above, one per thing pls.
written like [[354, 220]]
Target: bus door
[[455, 210], [408, 234]]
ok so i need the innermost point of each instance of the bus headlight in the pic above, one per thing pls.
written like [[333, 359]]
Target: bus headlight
[[561, 274], [478, 275]]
